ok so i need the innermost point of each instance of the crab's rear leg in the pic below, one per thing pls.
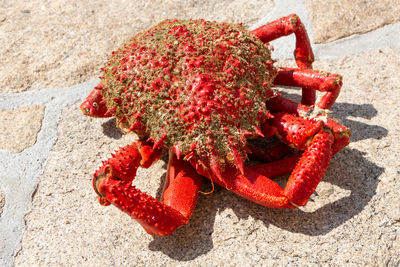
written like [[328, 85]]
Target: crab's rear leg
[[313, 80], [252, 184], [317, 142], [303, 53], [306, 169], [340, 133], [113, 184]]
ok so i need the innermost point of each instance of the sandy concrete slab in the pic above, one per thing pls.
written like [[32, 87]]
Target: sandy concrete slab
[[354, 219], [63, 43], [335, 19], [19, 127]]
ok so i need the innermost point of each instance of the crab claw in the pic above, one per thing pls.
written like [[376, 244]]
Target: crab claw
[[94, 105], [112, 182]]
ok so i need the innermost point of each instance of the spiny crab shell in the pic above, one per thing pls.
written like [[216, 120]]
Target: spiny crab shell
[[195, 85]]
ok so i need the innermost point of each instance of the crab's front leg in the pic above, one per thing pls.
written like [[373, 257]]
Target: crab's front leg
[[113, 184]]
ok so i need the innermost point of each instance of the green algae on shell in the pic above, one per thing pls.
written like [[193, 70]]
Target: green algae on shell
[[195, 84]]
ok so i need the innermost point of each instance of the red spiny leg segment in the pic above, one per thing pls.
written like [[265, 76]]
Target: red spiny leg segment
[[148, 154], [340, 133], [155, 217], [277, 168], [313, 80], [250, 185], [295, 131], [303, 53], [113, 184], [317, 141], [182, 186], [310, 169]]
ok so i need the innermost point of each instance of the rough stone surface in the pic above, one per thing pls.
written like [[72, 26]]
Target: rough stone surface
[[62, 43], [352, 220], [19, 127], [334, 19]]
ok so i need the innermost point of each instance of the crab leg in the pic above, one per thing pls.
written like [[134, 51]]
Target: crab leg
[[303, 53], [277, 168], [251, 185], [316, 140], [182, 186], [307, 171], [273, 153], [313, 80], [113, 184], [310, 169], [320, 141], [341, 133]]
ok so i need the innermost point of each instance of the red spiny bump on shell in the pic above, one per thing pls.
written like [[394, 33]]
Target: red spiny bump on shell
[[192, 81]]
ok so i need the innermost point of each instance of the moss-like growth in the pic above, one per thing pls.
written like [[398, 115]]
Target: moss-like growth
[[191, 82]]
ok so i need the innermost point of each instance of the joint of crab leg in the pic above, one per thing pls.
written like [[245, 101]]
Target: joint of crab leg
[[296, 131], [303, 53], [149, 155], [121, 166], [123, 163], [286, 26], [312, 80], [97, 177], [341, 133]]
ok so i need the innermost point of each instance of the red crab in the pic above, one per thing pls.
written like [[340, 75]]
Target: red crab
[[202, 91]]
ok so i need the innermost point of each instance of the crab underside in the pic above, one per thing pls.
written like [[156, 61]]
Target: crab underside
[[202, 91]]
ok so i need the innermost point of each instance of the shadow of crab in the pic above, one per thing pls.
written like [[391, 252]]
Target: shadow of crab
[[358, 175], [349, 170]]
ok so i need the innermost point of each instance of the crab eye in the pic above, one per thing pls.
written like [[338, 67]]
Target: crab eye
[[95, 105]]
